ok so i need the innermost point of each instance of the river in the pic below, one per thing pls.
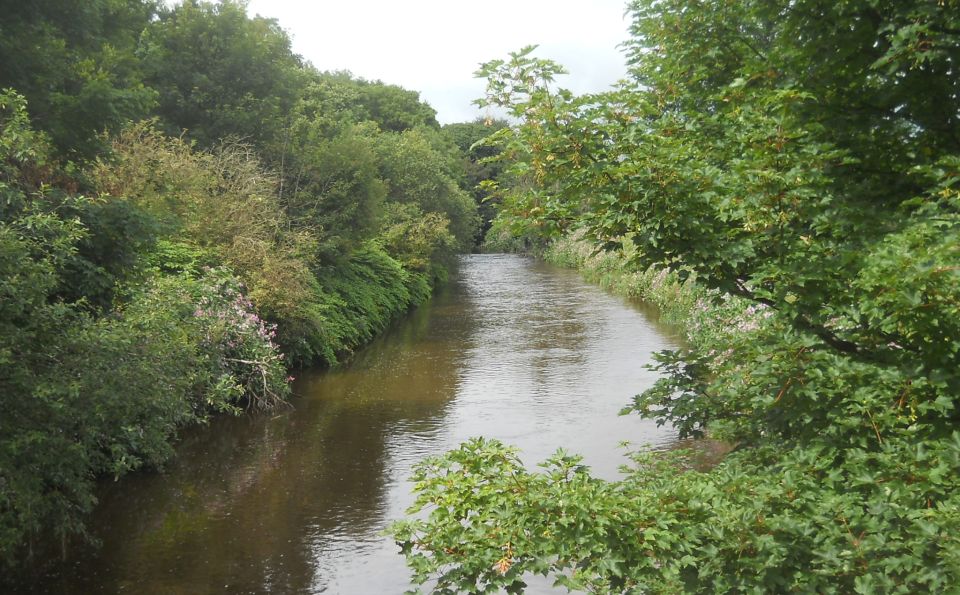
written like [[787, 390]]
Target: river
[[295, 501]]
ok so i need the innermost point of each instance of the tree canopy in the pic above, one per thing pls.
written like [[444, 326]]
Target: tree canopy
[[75, 64], [220, 73]]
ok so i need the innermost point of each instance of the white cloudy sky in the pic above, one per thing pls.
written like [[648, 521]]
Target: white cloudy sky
[[434, 46]]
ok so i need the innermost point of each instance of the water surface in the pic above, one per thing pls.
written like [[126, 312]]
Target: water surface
[[295, 501]]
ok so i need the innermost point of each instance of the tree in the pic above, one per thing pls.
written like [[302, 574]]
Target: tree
[[803, 158], [480, 166], [394, 108], [335, 190], [220, 73], [81, 391], [340, 98], [416, 173], [75, 64]]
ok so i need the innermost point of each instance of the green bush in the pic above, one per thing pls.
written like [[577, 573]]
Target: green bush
[[236, 356], [85, 397], [767, 520], [358, 298], [419, 241], [84, 394]]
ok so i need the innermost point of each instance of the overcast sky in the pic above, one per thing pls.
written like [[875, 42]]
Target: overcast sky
[[434, 46]]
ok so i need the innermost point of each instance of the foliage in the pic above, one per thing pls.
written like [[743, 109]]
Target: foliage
[[154, 273], [221, 201], [338, 99], [394, 108], [83, 395], [361, 296], [220, 73], [799, 161], [79, 75], [480, 166], [415, 172], [337, 191], [74, 62], [110, 258], [420, 242], [342, 159], [240, 357], [506, 237], [766, 520], [330, 102]]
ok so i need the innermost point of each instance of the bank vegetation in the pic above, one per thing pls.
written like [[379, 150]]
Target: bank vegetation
[[188, 212]]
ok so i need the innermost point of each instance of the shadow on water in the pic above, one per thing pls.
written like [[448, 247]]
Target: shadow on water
[[295, 501]]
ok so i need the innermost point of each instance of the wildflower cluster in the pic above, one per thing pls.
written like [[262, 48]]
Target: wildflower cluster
[[244, 360]]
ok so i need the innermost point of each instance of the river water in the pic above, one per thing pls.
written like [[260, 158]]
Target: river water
[[295, 501]]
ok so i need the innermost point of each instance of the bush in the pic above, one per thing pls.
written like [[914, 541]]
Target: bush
[[221, 203], [420, 242], [237, 357], [361, 296], [84, 397]]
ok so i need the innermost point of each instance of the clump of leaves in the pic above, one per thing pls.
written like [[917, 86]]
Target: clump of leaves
[[812, 519]]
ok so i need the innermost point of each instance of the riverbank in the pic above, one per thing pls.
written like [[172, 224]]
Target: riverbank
[[509, 347], [877, 515], [703, 317], [183, 353], [190, 286]]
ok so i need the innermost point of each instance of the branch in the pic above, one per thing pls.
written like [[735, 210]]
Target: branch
[[802, 322]]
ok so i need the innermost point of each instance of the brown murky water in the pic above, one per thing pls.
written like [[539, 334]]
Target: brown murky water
[[295, 502]]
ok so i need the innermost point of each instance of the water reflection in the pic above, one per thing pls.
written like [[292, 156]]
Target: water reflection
[[295, 501]]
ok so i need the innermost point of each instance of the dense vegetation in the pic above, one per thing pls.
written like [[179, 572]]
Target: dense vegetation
[[188, 210], [800, 163]]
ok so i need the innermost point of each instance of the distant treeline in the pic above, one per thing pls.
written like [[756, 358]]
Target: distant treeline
[[187, 210]]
